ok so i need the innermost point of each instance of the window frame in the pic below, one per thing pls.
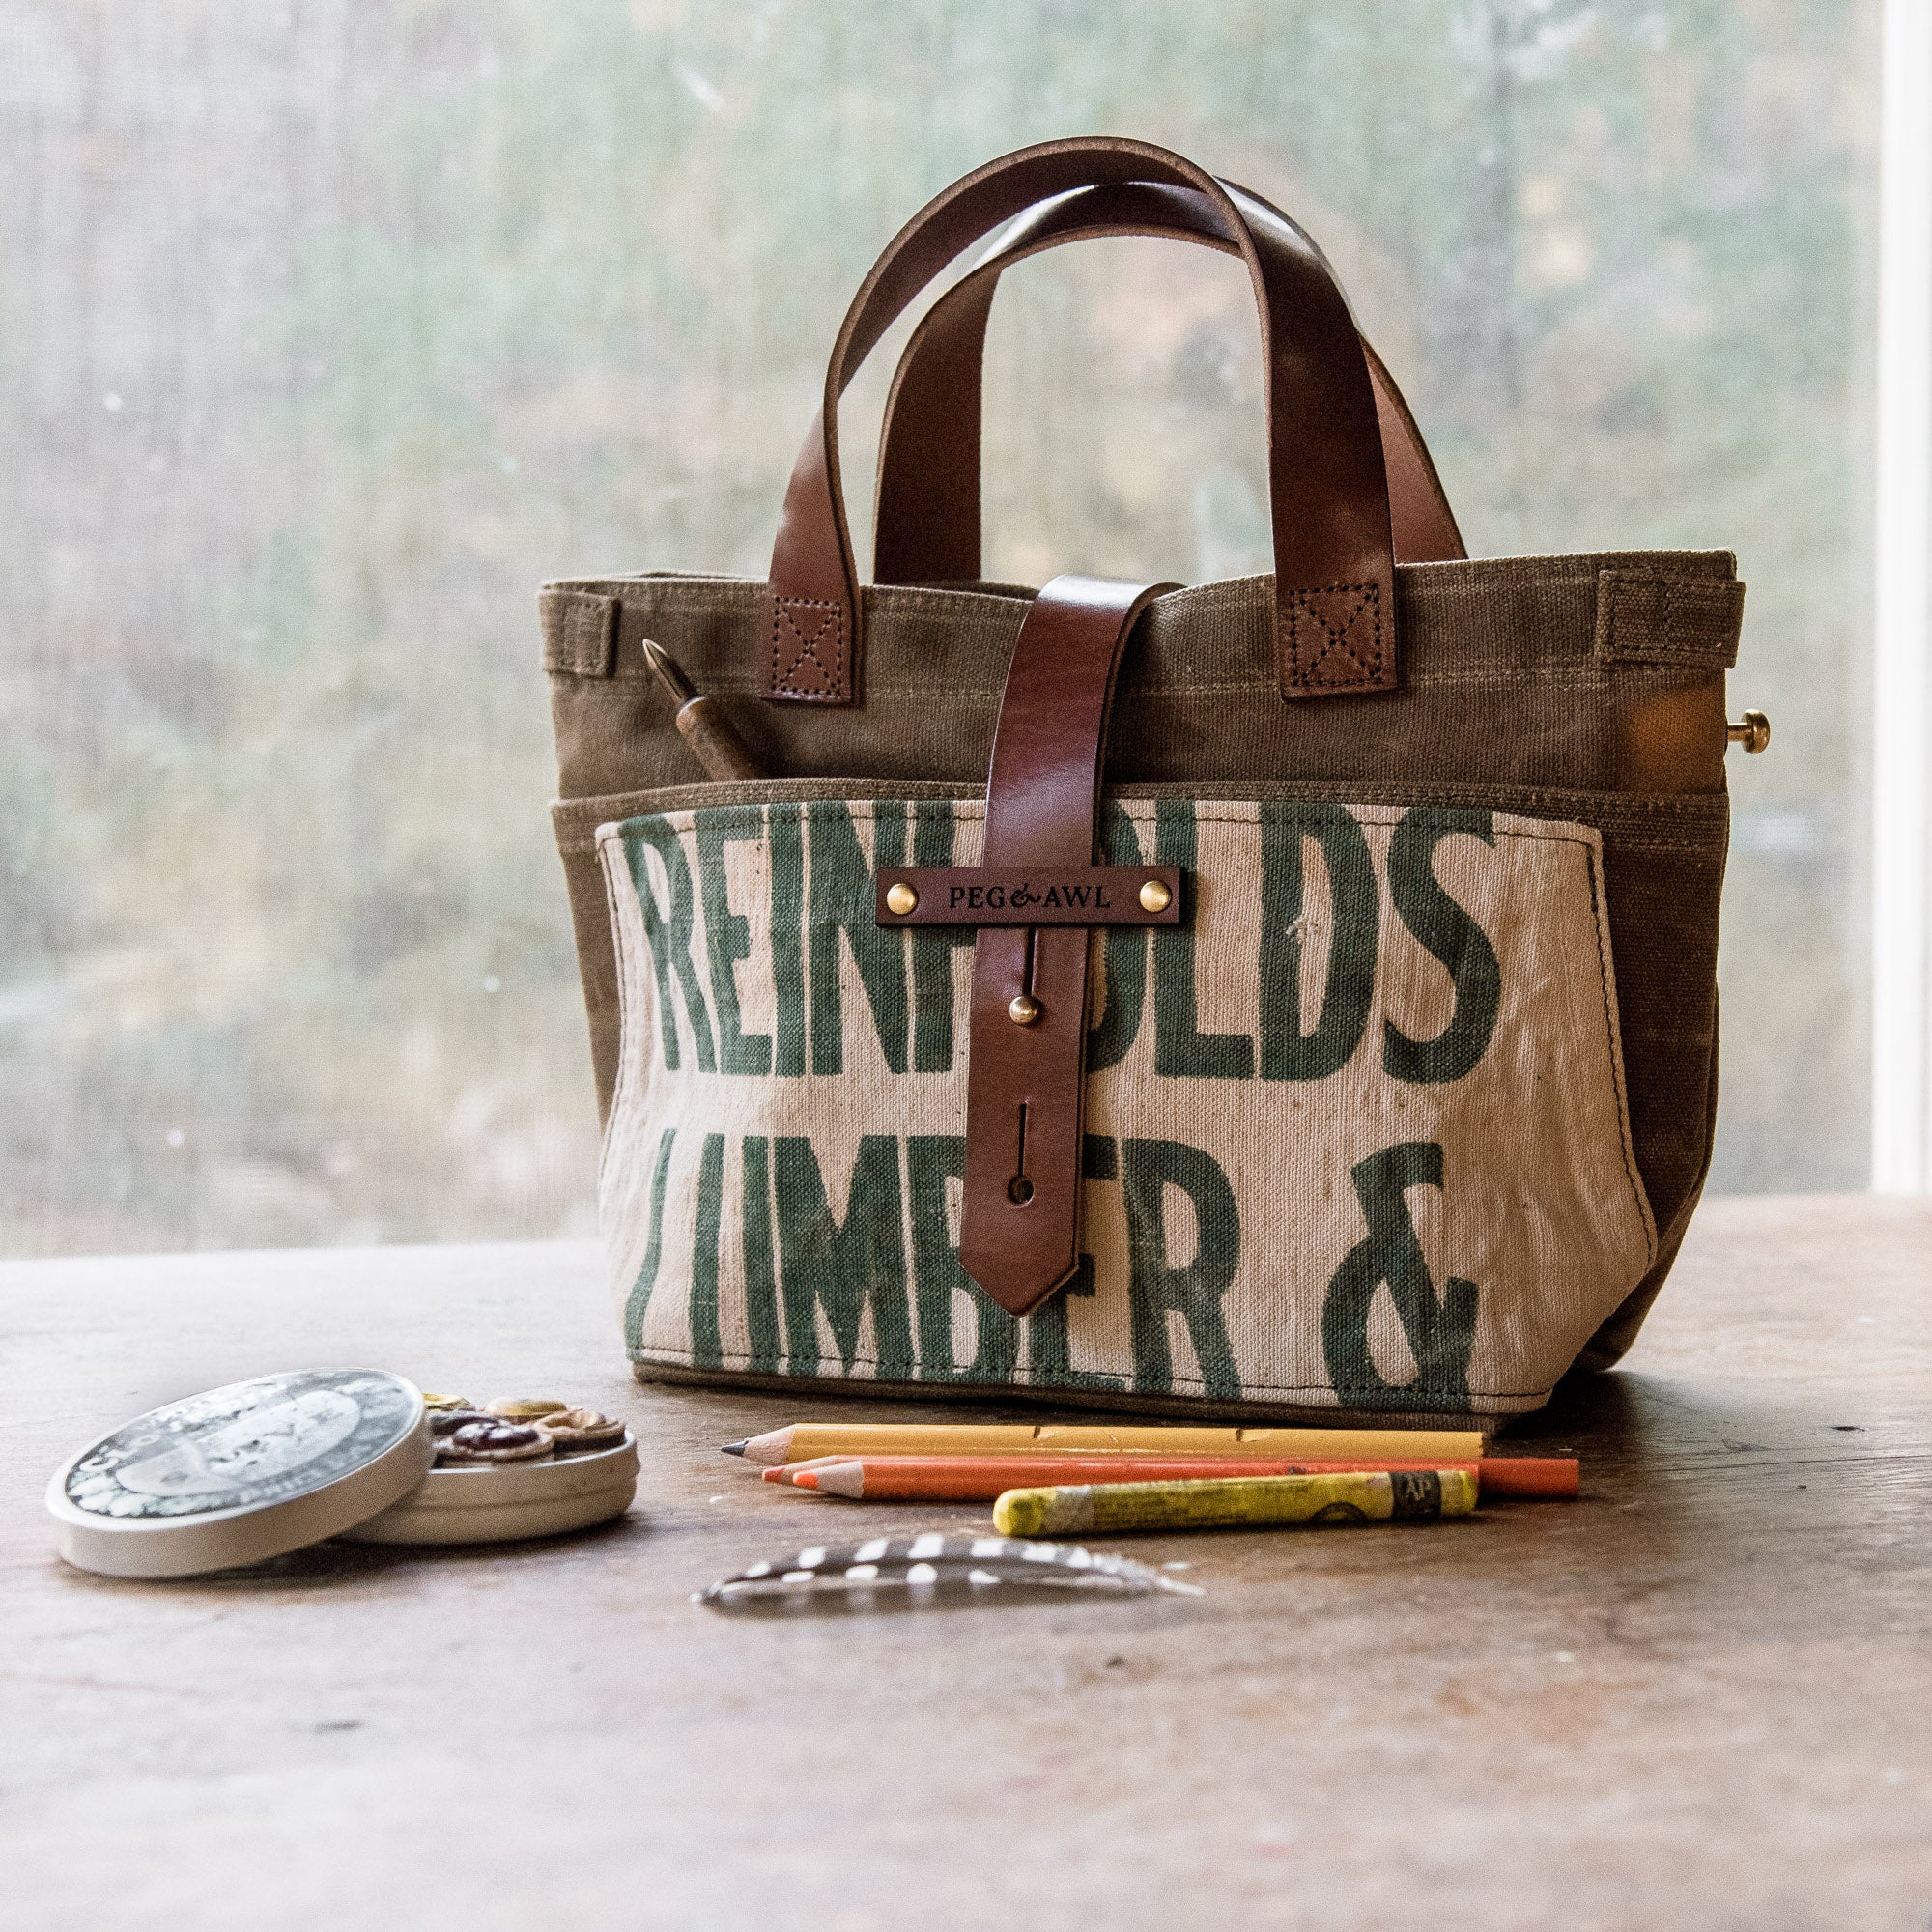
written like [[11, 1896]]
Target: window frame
[[1901, 844]]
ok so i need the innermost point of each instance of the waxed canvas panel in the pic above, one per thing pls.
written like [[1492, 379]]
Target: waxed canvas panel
[[1357, 1133]]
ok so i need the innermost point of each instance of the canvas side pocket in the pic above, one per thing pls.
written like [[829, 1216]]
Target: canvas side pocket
[[1356, 1132]]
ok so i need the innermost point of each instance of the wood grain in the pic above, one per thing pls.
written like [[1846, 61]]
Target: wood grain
[[1698, 1698]]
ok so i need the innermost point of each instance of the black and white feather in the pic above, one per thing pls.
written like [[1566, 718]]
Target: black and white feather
[[933, 1562]]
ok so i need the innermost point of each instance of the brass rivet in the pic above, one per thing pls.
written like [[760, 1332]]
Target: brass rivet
[[1156, 896], [1025, 1010], [902, 898], [1753, 732]]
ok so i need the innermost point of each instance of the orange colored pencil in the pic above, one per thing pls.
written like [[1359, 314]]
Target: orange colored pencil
[[968, 1478]]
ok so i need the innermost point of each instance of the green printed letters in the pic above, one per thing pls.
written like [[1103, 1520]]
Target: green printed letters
[[1179, 1048], [761, 1297], [786, 825], [639, 1300], [706, 1352], [1195, 1288], [1441, 1333], [727, 935], [933, 946], [1448, 931], [931, 1161], [1291, 1051], [842, 1266], [1122, 954], [841, 902], [668, 934]]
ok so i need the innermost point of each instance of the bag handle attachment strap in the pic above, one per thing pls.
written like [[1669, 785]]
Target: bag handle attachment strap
[[1333, 556], [1019, 1236], [926, 526]]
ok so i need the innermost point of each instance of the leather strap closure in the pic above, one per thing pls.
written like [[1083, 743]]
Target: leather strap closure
[[1029, 895], [1334, 561], [1019, 1236], [927, 519]]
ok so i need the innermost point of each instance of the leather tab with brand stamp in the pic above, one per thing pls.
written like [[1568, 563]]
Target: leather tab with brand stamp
[[1029, 895]]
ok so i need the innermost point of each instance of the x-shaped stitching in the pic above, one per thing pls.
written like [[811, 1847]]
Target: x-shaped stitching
[[808, 647], [1337, 634]]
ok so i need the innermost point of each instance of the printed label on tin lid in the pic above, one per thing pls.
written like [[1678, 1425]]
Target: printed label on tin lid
[[247, 1445]]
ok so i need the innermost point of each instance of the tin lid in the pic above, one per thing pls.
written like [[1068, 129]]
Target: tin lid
[[241, 1473]]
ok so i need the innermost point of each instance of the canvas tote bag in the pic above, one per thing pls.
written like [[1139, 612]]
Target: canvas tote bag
[[1292, 996]]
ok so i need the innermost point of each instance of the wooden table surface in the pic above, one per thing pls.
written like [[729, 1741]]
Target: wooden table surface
[[1700, 1697]]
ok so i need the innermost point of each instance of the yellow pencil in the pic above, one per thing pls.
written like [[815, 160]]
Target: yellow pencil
[[1226, 1502], [801, 1441]]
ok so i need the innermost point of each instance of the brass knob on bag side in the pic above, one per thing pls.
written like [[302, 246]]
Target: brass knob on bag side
[[1156, 896], [1025, 1010], [902, 898], [1753, 732]]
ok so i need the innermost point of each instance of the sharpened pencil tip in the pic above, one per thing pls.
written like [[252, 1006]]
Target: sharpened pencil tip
[[843, 1479], [804, 1479], [772, 1447], [736, 1448]]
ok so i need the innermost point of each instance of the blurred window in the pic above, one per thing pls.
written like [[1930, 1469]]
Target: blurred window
[[330, 331]]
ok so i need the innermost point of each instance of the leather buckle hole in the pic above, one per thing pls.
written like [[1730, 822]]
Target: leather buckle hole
[[1019, 1190]]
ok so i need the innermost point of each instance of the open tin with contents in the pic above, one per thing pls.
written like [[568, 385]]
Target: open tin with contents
[[239, 1474]]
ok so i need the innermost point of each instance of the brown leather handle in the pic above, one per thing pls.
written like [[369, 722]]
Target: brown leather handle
[[926, 521], [1333, 552]]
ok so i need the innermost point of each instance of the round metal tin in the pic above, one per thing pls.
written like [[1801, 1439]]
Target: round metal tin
[[500, 1502], [241, 1473]]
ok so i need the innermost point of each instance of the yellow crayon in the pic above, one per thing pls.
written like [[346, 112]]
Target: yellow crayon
[[1224, 1502]]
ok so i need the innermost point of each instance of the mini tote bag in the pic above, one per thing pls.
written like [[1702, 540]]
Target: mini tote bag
[[1285, 997]]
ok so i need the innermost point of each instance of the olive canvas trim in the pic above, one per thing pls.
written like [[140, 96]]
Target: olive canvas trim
[[1659, 607]]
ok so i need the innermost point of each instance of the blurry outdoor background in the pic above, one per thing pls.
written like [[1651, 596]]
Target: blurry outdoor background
[[328, 330]]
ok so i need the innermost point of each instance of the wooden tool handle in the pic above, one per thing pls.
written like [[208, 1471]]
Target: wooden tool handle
[[715, 741]]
